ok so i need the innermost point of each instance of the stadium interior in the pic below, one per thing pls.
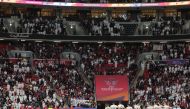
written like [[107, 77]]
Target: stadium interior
[[99, 55]]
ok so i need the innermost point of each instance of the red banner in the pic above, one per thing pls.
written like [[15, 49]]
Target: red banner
[[112, 88]]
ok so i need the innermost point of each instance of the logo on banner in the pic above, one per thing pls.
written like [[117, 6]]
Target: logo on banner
[[111, 85], [111, 82]]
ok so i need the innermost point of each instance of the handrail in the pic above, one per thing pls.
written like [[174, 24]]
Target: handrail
[[114, 39], [14, 34]]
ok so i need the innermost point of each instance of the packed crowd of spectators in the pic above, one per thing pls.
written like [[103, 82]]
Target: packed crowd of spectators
[[51, 84], [110, 26], [41, 50], [108, 59], [43, 83], [168, 25], [42, 26], [102, 26], [164, 25], [165, 83], [174, 51], [105, 26], [3, 29], [46, 83], [151, 25]]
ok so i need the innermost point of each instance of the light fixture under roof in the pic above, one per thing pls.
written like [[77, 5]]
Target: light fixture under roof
[[38, 41], [119, 42], [163, 42], [145, 42], [75, 42], [57, 41], [100, 42]]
